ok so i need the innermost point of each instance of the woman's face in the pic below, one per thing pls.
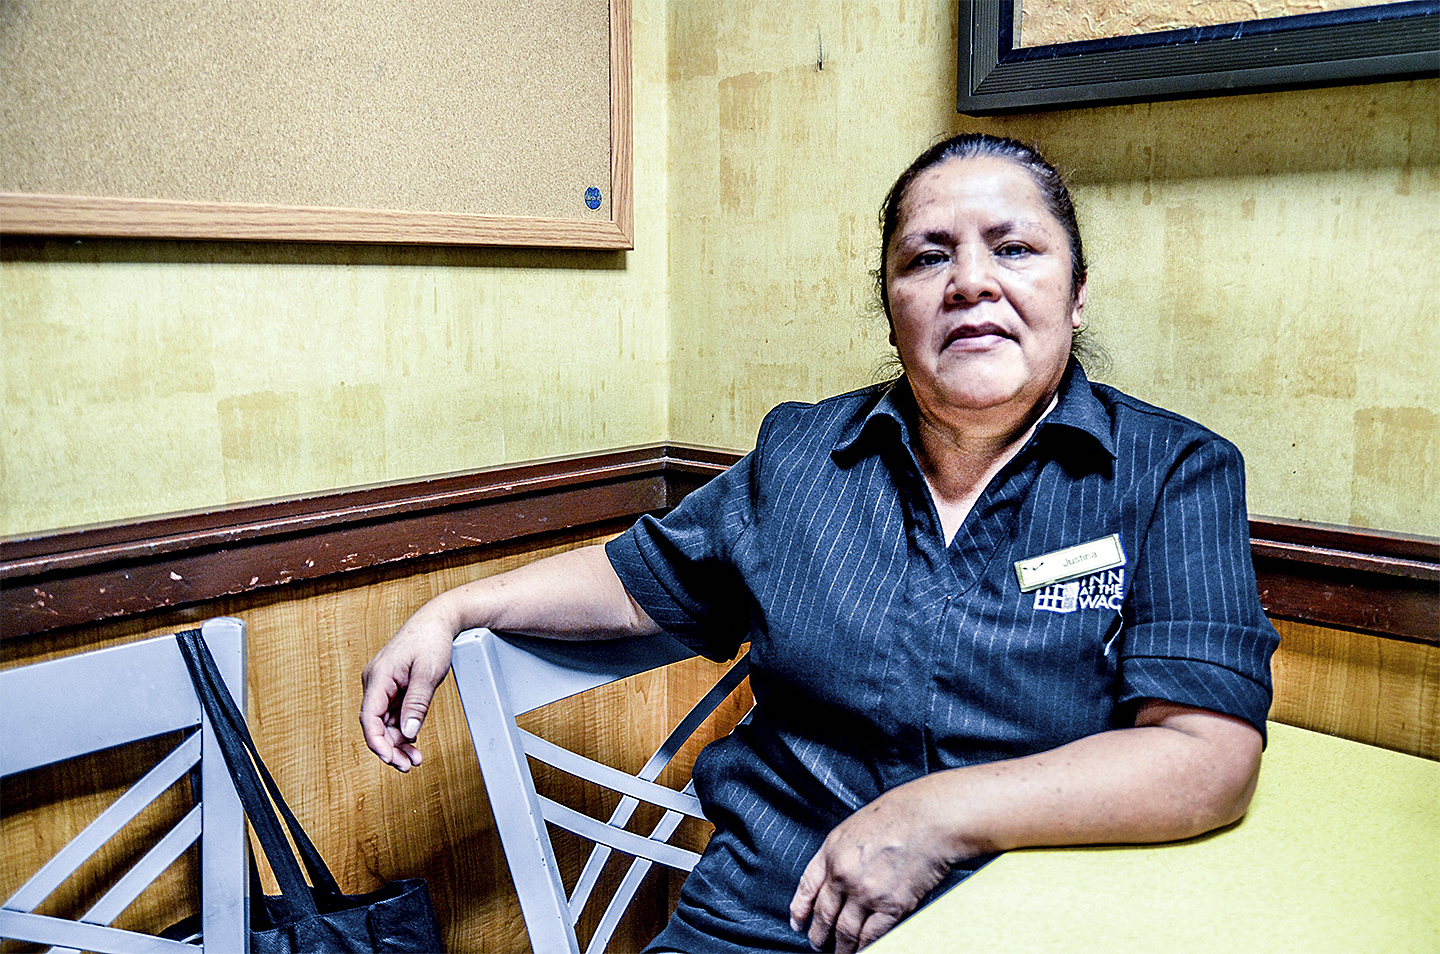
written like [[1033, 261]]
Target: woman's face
[[978, 277]]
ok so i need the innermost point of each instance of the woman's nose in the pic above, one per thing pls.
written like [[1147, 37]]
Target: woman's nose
[[973, 277]]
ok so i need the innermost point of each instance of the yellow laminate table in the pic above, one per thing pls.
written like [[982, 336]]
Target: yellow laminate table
[[1340, 852]]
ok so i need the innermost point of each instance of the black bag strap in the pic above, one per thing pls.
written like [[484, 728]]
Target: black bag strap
[[256, 786], [320, 874]]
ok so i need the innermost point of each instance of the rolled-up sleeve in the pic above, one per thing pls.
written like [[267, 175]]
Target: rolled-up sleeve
[[1196, 632]]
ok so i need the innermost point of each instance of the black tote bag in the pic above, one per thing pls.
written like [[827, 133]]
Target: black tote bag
[[314, 917]]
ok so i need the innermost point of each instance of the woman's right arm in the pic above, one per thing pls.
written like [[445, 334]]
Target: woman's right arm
[[575, 594]]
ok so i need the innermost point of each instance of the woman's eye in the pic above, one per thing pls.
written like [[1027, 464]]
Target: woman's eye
[[925, 259], [1012, 250]]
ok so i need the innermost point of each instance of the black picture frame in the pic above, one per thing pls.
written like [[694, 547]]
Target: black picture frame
[[1386, 42]]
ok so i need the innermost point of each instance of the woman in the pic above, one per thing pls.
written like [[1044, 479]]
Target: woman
[[990, 604]]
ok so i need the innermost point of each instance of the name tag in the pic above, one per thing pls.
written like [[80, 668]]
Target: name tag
[[1070, 563]]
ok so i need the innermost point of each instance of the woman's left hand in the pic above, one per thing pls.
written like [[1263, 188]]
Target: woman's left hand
[[1178, 772], [874, 869]]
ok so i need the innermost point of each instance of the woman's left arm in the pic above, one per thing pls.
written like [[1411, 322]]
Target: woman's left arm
[[1179, 772]]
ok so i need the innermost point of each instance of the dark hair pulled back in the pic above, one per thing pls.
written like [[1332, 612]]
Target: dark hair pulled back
[[967, 146]]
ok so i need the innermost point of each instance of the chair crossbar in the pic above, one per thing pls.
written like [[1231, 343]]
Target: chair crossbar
[[599, 855], [698, 713], [618, 838], [663, 756], [43, 929], [609, 777], [120, 813], [657, 763], [161, 855], [629, 885]]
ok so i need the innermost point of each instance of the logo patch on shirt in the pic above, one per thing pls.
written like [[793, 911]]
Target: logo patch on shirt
[[1059, 597], [1098, 591]]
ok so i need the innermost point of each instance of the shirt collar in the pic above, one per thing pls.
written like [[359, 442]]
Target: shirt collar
[[1076, 409]]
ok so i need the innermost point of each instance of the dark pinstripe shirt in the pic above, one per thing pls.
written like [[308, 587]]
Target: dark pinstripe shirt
[[879, 653]]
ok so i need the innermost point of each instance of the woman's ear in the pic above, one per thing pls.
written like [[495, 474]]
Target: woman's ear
[[1076, 308]]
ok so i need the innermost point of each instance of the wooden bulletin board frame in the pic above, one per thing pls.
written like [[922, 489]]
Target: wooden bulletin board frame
[[1386, 42], [161, 218]]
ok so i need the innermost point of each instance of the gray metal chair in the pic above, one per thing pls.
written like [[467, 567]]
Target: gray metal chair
[[501, 677], [70, 707]]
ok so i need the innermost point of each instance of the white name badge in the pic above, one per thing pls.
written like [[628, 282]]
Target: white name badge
[[1070, 563]]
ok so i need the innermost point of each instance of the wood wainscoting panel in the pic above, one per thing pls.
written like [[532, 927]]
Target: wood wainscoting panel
[[307, 646], [1384, 692]]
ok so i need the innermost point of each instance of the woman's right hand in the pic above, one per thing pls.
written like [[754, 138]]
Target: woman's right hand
[[574, 594], [400, 682]]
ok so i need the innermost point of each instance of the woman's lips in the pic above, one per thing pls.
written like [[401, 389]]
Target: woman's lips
[[975, 336]]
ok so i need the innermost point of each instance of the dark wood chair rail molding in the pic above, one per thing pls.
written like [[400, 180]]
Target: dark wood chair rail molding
[[1372, 582], [84, 575]]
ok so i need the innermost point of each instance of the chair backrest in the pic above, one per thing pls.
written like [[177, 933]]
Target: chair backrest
[[501, 677], [76, 705]]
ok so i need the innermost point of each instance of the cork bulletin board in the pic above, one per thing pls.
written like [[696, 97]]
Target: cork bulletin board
[[401, 121]]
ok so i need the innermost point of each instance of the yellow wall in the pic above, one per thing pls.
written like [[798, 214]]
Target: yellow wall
[[1264, 263]]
